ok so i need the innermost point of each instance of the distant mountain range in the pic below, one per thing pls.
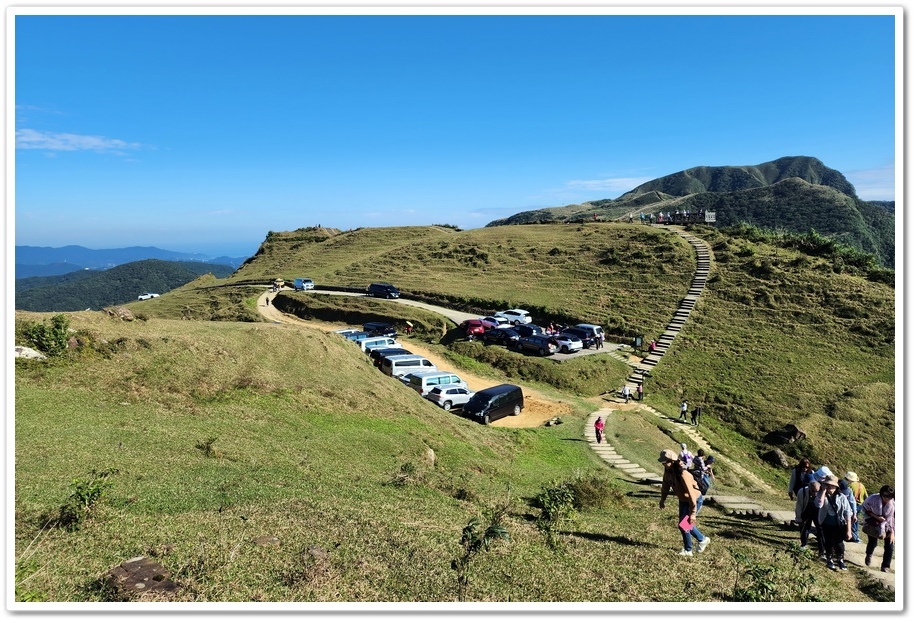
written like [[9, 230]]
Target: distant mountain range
[[795, 194], [47, 261], [95, 289]]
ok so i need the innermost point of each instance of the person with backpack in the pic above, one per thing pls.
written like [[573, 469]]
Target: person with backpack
[[701, 471], [679, 481], [686, 456], [806, 512], [800, 476], [835, 517]]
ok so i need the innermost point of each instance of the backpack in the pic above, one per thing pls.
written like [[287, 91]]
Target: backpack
[[700, 479]]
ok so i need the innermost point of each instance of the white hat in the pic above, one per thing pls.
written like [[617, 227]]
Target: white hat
[[851, 477], [822, 472], [684, 446]]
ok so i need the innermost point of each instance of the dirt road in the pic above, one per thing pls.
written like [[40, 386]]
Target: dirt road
[[538, 407]]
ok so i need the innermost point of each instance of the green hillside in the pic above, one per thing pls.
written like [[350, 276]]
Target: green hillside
[[95, 289], [794, 194], [225, 432]]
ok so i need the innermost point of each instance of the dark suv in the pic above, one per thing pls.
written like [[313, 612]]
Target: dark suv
[[383, 290], [528, 329], [540, 344], [382, 329]]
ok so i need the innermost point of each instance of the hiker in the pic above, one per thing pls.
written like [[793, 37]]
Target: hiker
[[684, 411], [879, 512], [703, 469], [686, 456], [859, 493], [599, 429], [806, 510], [835, 517], [695, 415], [626, 394], [639, 393], [800, 476], [678, 480]]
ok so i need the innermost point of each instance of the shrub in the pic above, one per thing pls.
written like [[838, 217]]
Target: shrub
[[50, 338], [86, 494]]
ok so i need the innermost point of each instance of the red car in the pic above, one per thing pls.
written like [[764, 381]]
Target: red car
[[472, 327]]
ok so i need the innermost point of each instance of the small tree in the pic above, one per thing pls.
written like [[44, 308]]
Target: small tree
[[49, 338], [557, 503], [477, 536]]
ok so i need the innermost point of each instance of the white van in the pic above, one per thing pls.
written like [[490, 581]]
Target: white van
[[400, 365], [368, 343], [425, 381]]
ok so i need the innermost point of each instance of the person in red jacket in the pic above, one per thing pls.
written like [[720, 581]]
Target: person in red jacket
[[599, 429]]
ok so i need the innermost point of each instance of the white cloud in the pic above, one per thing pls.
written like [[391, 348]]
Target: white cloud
[[616, 184], [62, 141], [873, 184]]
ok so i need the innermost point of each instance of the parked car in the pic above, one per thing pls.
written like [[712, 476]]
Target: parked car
[[368, 343], [540, 344], [516, 316], [587, 338], [382, 329], [526, 330], [494, 403], [383, 290], [402, 365], [594, 330], [449, 396], [473, 327], [377, 354], [301, 284], [507, 337], [147, 296], [568, 343], [494, 322], [423, 382], [353, 334]]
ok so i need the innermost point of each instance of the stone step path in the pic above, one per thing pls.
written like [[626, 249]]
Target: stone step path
[[738, 505]]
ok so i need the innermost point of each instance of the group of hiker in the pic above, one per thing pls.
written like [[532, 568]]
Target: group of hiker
[[837, 510]]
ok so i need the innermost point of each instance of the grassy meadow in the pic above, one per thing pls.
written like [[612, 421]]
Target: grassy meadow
[[219, 430]]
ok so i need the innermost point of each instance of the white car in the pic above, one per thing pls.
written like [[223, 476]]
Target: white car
[[516, 316], [496, 322], [449, 396], [147, 295], [568, 343]]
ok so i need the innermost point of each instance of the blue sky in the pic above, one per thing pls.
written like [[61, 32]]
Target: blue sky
[[201, 133]]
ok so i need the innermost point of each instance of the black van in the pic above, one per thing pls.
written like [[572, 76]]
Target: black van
[[384, 290], [380, 329], [493, 403]]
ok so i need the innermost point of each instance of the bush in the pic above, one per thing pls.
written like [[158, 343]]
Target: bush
[[50, 338]]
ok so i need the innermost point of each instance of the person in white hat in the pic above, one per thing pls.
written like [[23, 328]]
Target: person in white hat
[[835, 517]]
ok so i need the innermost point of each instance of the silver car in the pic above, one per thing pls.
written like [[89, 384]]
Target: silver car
[[449, 396]]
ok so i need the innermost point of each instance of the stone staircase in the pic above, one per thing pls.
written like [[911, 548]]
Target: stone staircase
[[738, 505]]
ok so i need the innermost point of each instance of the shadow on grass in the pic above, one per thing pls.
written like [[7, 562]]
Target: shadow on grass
[[607, 538]]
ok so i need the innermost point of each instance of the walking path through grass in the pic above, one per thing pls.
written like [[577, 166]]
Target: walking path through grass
[[731, 504]]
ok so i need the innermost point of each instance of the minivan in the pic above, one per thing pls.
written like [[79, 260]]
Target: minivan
[[594, 330], [368, 343], [425, 381], [493, 403], [384, 290], [400, 365]]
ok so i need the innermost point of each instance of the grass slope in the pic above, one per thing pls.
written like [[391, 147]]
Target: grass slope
[[225, 432]]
